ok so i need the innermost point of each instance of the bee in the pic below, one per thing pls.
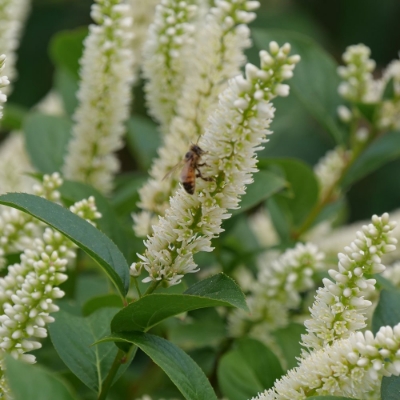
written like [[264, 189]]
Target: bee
[[191, 168]]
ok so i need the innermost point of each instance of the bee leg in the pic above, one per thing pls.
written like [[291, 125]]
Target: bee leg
[[205, 178], [202, 165]]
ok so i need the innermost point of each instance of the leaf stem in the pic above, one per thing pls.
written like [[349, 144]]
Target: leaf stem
[[120, 359], [137, 286], [152, 287]]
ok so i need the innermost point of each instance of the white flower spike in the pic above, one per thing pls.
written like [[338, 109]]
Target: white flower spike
[[339, 305], [215, 56], [237, 128], [351, 367], [104, 96], [13, 14]]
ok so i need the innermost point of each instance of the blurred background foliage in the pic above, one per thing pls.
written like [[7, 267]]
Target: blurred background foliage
[[333, 24]]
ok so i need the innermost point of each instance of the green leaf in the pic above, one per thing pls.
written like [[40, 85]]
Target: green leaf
[[13, 116], [73, 336], [181, 369], [390, 388], [389, 91], [47, 137], [143, 140], [264, 186], [33, 382], [315, 80], [303, 191], [380, 152], [72, 192], [248, 369], [66, 49], [368, 110], [289, 340], [67, 86], [387, 312], [82, 233], [126, 196], [384, 283], [218, 290], [103, 301], [204, 328]]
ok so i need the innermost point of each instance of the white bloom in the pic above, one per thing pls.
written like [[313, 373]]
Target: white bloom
[[164, 56], [392, 71], [231, 140], [28, 291], [14, 165], [344, 113], [278, 288], [332, 241], [104, 96], [13, 14], [389, 115], [215, 56], [329, 170], [339, 305], [351, 367], [17, 229], [4, 82], [358, 84], [86, 209]]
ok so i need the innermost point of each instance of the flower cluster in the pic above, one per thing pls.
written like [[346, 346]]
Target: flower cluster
[[339, 305], [164, 62], [86, 209], [3, 83], [351, 367], [28, 291], [389, 113], [332, 240], [278, 288], [330, 169], [359, 86], [104, 96], [215, 57], [13, 14], [17, 229], [236, 130]]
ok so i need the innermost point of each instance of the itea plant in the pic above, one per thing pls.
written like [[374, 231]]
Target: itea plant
[[144, 204]]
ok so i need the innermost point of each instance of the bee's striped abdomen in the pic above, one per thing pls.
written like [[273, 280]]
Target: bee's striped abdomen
[[189, 186]]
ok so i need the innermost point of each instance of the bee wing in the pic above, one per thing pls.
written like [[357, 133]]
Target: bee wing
[[174, 169]]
